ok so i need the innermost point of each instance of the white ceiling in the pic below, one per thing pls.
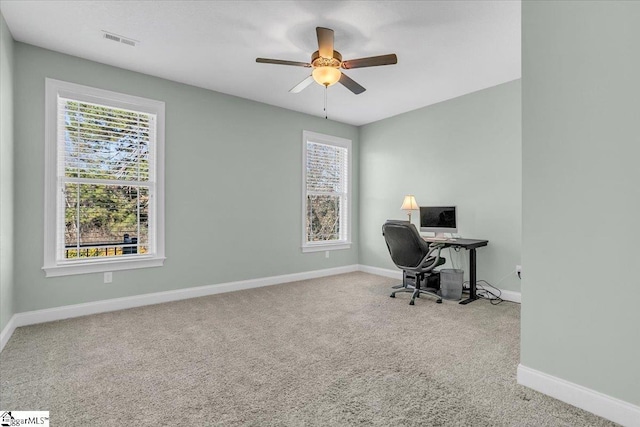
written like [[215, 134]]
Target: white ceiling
[[445, 48]]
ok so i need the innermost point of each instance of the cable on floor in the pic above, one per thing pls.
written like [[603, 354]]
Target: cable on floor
[[490, 292]]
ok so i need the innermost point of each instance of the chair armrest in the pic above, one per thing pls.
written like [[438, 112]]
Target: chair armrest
[[434, 247]]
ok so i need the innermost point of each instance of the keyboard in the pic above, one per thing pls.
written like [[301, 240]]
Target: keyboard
[[441, 239]]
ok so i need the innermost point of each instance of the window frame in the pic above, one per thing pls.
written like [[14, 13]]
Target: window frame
[[54, 267], [308, 136]]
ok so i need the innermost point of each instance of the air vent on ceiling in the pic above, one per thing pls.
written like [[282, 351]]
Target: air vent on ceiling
[[111, 37], [119, 39]]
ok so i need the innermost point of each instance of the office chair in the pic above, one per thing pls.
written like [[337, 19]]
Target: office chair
[[412, 254]]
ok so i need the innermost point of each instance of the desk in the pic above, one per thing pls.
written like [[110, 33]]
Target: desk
[[471, 245]]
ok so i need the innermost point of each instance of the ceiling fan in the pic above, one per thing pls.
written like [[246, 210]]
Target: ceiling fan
[[326, 63]]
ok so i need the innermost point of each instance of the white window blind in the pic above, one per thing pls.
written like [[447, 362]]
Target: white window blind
[[104, 170], [105, 176], [326, 204]]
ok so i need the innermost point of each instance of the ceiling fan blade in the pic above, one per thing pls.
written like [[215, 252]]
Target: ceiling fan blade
[[350, 84], [371, 61], [281, 62], [303, 84], [325, 42]]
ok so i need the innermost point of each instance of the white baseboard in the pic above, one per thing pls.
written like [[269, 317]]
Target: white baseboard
[[7, 332], [605, 406], [394, 274], [506, 295], [77, 310], [512, 296]]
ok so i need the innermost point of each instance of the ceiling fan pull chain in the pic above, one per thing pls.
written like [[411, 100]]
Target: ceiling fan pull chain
[[325, 102]]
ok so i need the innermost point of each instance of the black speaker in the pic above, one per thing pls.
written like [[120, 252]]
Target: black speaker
[[432, 281]]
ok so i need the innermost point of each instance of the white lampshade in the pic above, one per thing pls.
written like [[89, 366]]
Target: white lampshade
[[409, 203]]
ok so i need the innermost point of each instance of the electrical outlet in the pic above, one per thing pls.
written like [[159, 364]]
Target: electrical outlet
[[326, 254], [518, 269], [108, 277]]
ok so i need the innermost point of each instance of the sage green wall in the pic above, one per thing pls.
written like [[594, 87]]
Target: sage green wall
[[6, 175], [464, 152], [233, 186], [581, 193]]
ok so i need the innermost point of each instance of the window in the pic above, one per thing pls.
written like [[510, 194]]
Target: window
[[326, 192], [104, 183]]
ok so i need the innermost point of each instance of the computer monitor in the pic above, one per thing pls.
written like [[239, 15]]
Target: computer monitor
[[438, 219]]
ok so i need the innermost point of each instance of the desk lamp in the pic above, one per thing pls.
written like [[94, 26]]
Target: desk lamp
[[409, 204]]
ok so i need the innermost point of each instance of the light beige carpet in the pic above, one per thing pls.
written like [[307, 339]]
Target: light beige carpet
[[331, 351]]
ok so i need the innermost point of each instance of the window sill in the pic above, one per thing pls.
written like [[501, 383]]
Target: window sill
[[102, 266], [326, 247]]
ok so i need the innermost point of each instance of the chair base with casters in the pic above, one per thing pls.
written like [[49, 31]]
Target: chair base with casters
[[416, 290], [413, 256]]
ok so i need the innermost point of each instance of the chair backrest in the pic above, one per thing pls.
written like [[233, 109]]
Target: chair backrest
[[405, 245]]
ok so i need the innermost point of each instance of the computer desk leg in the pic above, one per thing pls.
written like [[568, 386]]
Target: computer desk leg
[[472, 278]]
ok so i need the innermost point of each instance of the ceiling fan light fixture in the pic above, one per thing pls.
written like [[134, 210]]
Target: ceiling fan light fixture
[[326, 76], [326, 66]]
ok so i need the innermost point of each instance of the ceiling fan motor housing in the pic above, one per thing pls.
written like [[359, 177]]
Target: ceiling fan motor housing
[[319, 61]]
